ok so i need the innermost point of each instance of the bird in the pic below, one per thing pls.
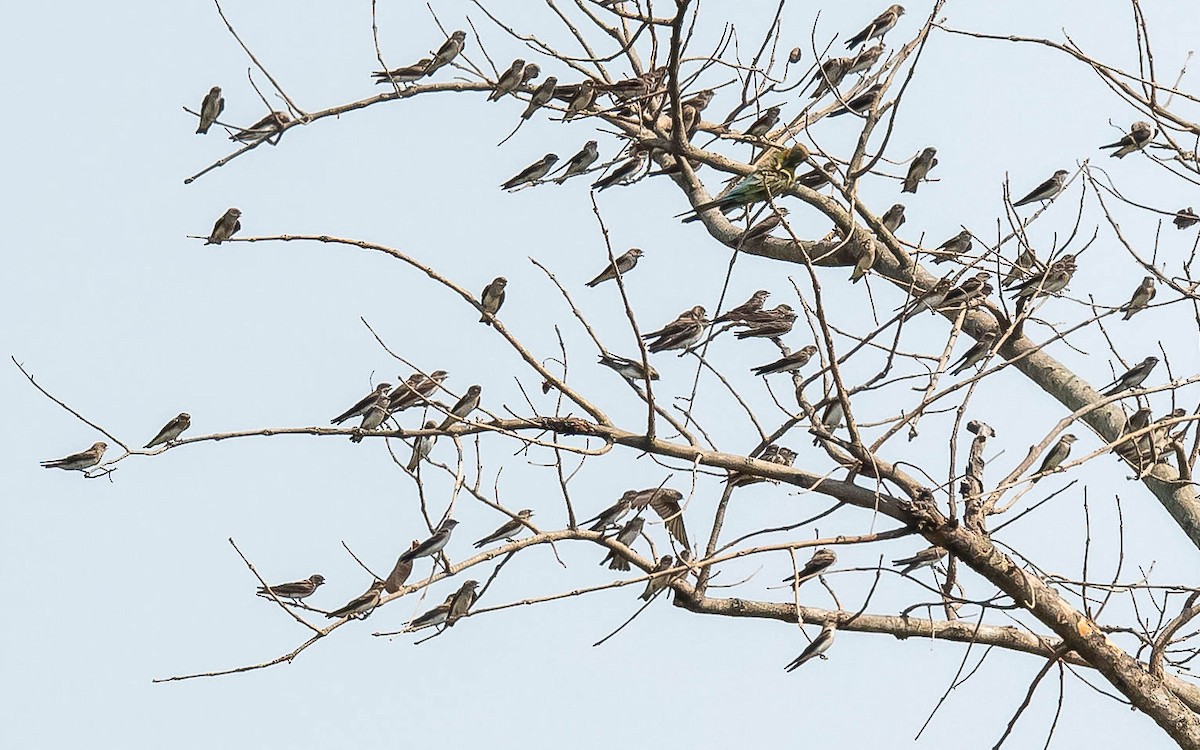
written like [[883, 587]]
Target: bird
[[375, 415], [954, 247], [509, 530], [492, 298], [582, 100], [361, 606], [422, 446], [625, 172], [865, 253], [1140, 133], [434, 617], [628, 533], [611, 515], [171, 430], [764, 123], [658, 578], [866, 57], [433, 544], [449, 50], [1056, 455], [415, 390], [531, 174], [80, 461], [1141, 297], [700, 100], [772, 454], [406, 74], [624, 264], [363, 404], [817, 178], [919, 168], [932, 299], [541, 95], [829, 76], [1020, 268], [1185, 217], [1047, 190], [579, 163], [263, 129], [926, 557], [509, 80], [966, 293], [795, 55], [296, 590], [465, 405], [210, 109], [789, 363], [665, 502], [769, 180], [226, 226], [882, 24], [628, 368], [976, 353], [461, 602], [400, 573], [747, 308], [681, 333], [821, 643], [779, 323], [1051, 281], [893, 218], [764, 227], [862, 103], [638, 86], [1133, 377], [831, 419], [816, 565]]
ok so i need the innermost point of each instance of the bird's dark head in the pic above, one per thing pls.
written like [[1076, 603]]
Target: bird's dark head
[[474, 390], [316, 579]]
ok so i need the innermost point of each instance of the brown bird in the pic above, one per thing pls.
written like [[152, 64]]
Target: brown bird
[[919, 168], [79, 461], [1141, 297], [666, 503], [746, 309], [624, 264], [171, 430], [416, 390], [226, 226], [296, 590], [492, 298], [1185, 217], [400, 572]]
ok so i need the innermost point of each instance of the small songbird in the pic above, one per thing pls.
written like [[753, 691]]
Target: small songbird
[[865, 58], [747, 309], [1185, 217], [817, 564], [681, 333], [263, 129], [771, 179], [80, 461], [461, 602], [210, 109], [665, 502], [433, 544], [625, 173], [772, 454], [449, 50], [1056, 455], [541, 95], [584, 97], [1133, 377], [509, 530], [579, 163], [919, 168], [422, 446], [893, 219], [416, 390], [1052, 281], [954, 247], [823, 640], [375, 415], [817, 178], [171, 430], [700, 100], [1141, 297], [790, 363], [406, 74], [492, 298], [226, 226], [628, 533], [861, 104], [926, 557], [831, 419], [658, 578], [976, 353], [611, 515], [467, 404], [770, 324], [930, 300], [1020, 268], [882, 24], [624, 264], [400, 573], [1047, 190], [830, 75], [361, 606], [531, 174], [764, 123], [509, 80], [1140, 134], [361, 406], [764, 227], [432, 618], [629, 369], [296, 590], [968, 292]]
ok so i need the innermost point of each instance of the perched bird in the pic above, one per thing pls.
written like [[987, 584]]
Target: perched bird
[[210, 109], [1141, 297], [861, 104], [954, 247], [400, 573], [699, 101], [795, 55], [625, 173], [509, 530], [361, 606], [629, 369], [639, 86], [1133, 377], [492, 298], [406, 74], [884, 23], [764, 227], [579, 163], [976, 353], [817, 178], [968, 292], [930, 300], [816, 565], [772, 454], [926, 557], [465, 405], [584, 97], [509, 80], [226, 226], [623, 263], [611, 515], [748, 308], [449, 50], [1056, 455], [531, 72], [764, 123], [1052, 281], [769, 324], [831, 419], [461, 602], [415, 390], [433, 544], [919, 168], [658, 578], [268, 126], [681, 333], [171, 430], [363, 404], [771, 179], [665, 502], [866, 57], [296, 590], [79, 461], [829, 76], [531, 174], [790, 363], [893, 219], [823, 640], [865, 254], [422, 446], [434, 617], [628, 533], [1047, 190], [1185, 217], [541, 95], [1140, 133], [1020, 268], [375, 415]]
